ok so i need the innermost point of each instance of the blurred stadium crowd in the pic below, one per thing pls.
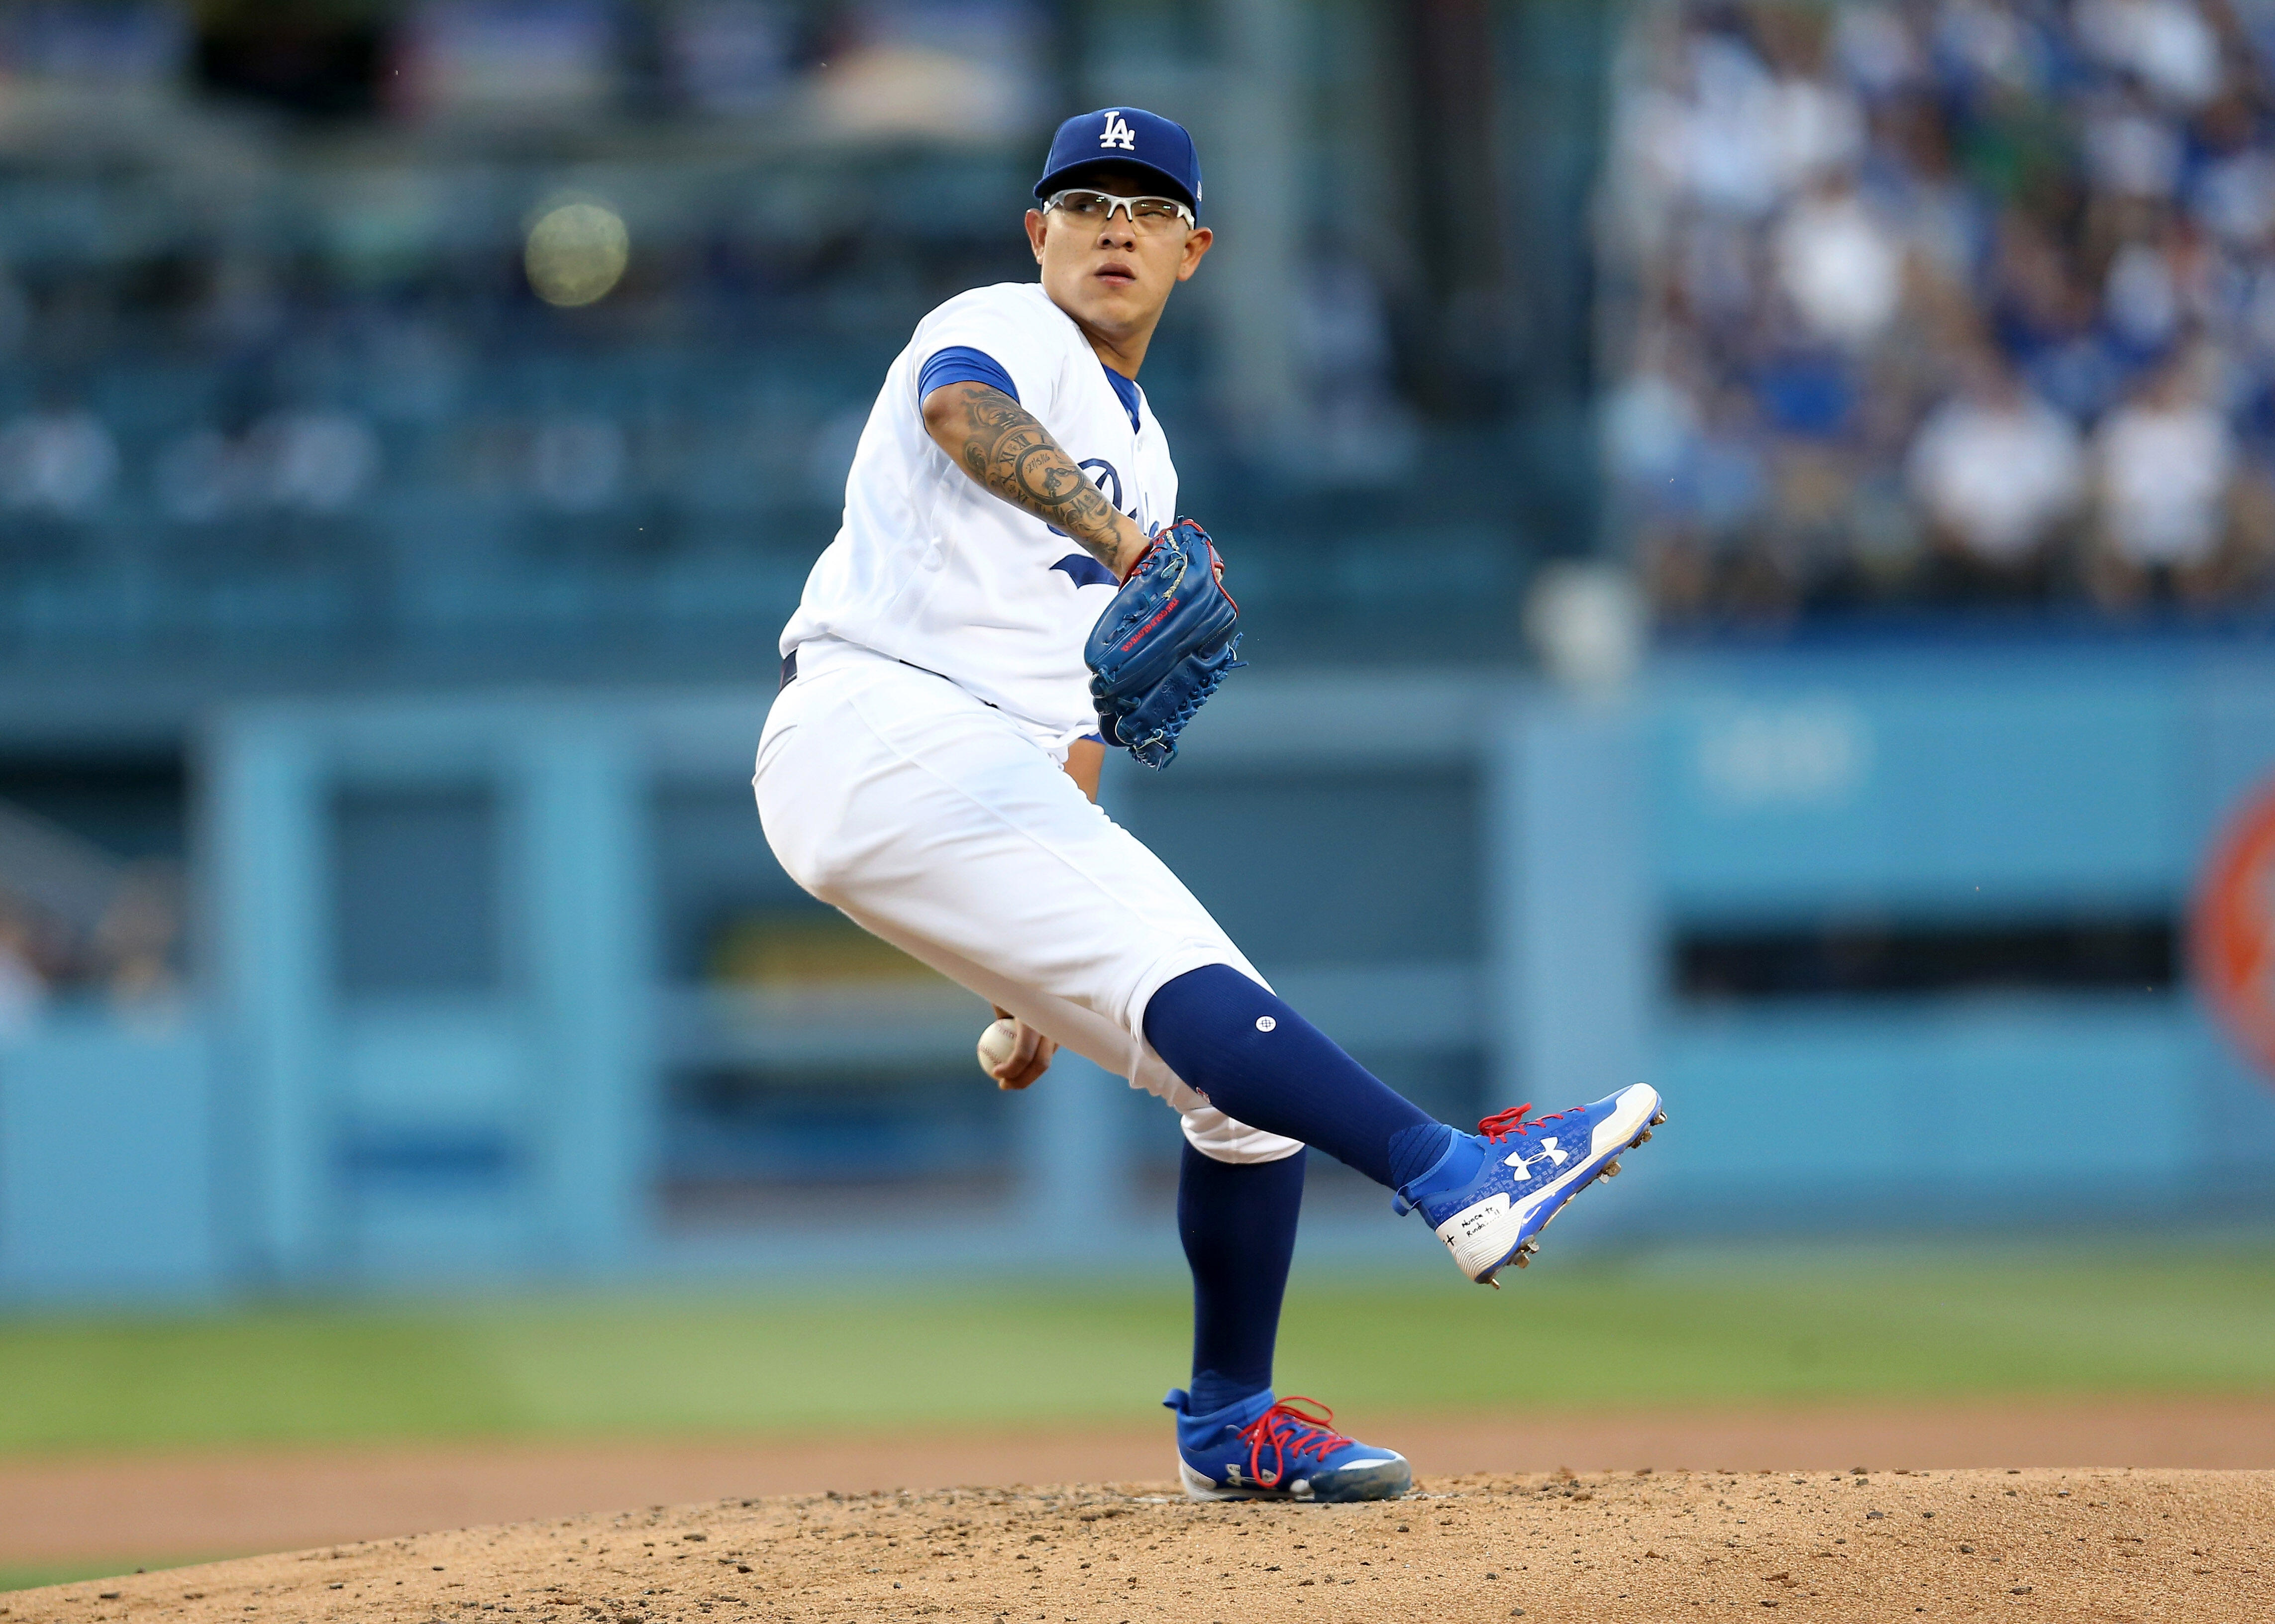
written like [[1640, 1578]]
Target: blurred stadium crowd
[[292, 357], [291, 354], [1945, 302], [534, 333]]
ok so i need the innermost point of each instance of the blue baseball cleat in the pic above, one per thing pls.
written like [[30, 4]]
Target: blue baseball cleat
[[1265, 1449], [1494, 1192]]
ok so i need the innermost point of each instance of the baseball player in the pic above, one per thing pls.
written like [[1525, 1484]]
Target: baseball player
[[930, 766]]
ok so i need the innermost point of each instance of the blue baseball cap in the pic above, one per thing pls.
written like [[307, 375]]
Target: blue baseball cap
[[1124, 135]]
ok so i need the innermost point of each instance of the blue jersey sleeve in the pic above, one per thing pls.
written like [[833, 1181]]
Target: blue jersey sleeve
[[1008, 337], [963, 364]]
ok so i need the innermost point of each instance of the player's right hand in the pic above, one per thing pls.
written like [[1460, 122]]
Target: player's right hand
[[1030, 1056]]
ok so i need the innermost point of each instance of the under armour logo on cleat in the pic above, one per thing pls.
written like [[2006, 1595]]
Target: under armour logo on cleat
[[1549, 1153]]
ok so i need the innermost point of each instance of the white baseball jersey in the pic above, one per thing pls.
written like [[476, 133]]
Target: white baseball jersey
[[931, 568]]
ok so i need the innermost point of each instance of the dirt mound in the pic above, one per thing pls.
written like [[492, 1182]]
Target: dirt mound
[[126, 1509], [2033, 1544]]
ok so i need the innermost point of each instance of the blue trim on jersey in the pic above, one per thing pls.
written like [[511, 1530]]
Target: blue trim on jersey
[[1084, 570], [963, 364], [1127, 388]]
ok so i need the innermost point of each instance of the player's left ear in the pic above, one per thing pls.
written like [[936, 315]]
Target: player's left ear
[[1197, 244], [1036, 227]]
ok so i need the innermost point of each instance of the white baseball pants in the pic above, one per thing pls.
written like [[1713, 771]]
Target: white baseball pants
[[932, 819]]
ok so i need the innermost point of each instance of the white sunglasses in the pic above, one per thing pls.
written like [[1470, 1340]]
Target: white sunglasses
[[1094, 207]]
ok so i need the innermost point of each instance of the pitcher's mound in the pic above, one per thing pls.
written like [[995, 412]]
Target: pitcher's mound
[[2035, 1546]]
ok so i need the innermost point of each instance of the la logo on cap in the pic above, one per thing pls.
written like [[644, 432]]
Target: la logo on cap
[[1117, 133]]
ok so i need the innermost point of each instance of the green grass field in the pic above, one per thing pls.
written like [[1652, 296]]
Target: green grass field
[[27, 1578], [1765, 1327]]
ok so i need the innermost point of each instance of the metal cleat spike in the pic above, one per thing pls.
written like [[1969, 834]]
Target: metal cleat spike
[[1523, 1260], [1644, 1138], [1656, 1120], [1612, 1168]]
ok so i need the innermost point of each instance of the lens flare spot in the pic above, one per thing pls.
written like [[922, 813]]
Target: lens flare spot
[[576, 252]]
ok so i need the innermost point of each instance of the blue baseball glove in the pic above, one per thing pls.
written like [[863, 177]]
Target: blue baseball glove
[[1163, 644]]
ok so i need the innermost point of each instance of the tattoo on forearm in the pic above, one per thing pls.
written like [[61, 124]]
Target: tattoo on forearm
[[1001, 445]]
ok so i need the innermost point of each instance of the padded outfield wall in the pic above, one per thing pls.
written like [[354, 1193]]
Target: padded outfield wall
[[507, 989]]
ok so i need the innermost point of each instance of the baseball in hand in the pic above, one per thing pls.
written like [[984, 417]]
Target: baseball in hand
[[996, 1043]]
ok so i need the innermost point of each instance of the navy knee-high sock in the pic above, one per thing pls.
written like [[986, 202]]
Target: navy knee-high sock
[[1259, 1060], [1237, 1221]]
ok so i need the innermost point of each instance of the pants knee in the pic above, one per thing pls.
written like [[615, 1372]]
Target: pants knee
[[1220, 1138]]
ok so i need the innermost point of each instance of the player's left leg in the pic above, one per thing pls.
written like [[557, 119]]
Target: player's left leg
[[1236, 1438], [1252, 1056]]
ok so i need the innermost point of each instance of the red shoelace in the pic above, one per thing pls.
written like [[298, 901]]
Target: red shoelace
[[1498, 1127], [1293, 1433]]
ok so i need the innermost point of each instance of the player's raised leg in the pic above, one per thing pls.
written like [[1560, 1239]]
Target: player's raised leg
[[1488, 1195]]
